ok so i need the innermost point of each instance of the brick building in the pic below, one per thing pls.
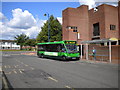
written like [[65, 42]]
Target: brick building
[[119, 16], [119, 26], [100, 23], [103, 23], [75, 23]]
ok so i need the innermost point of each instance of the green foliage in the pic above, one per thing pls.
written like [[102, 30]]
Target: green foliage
[[55, 31], [30, 42], [21, 39]]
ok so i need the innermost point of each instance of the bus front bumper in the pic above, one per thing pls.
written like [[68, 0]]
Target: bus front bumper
[[73, 58]]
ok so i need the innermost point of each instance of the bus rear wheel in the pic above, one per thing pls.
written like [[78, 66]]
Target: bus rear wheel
[[63, 57], [40, 56]]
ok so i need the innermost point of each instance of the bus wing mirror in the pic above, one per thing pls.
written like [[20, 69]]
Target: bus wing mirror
[[78, 49], [63, 50]]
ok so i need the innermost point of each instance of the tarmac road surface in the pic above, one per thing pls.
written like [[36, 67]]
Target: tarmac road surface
[[29, 71]]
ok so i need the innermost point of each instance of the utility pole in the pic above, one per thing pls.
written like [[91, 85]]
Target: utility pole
[[48, 26]]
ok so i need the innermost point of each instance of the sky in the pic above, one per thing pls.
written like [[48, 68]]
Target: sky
[[28, 17]]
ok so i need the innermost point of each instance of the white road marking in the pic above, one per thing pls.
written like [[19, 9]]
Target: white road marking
[[0, 69], [14, 71], [25, 64], [20, 71], [7, 72], [9, 66], [5, 66], [52, 79], [22, 63], [67, 87], [15, 66], [32, 68]]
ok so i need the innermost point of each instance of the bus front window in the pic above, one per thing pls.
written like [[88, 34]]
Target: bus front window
[[71, 48]]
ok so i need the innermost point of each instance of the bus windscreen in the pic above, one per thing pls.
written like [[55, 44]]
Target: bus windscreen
[[71, 48]]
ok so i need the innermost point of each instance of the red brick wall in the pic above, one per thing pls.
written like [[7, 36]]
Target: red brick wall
[[65, 21], [72, 35], [105, 15], [76, 17], [104, 50], [84, 19], [111, 17], [95, 17], [115, 54]]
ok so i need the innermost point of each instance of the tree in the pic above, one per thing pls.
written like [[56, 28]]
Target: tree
[[21, 39], [55, 31], [31, 43]]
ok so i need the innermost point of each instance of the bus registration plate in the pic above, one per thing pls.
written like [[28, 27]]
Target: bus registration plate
[[73, 58]]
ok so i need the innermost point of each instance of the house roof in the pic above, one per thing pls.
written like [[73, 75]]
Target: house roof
[[7, 40]]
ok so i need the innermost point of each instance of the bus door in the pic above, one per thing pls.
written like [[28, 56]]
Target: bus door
[[62, 49]]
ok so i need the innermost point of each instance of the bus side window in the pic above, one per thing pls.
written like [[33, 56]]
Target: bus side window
[[63, 49], [59, 48], [41, 48], [48, 47]]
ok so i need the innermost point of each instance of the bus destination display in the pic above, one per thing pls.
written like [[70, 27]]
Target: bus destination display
[[70, 42]]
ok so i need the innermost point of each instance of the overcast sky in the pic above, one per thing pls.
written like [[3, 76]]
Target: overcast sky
[[28, 17]]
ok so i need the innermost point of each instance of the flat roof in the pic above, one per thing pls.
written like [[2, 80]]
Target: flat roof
[[97, 41]]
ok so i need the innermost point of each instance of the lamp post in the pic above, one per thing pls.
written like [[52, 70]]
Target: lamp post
[[47, 14]]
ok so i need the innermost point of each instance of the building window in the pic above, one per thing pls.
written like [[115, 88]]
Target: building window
[[96, 31], [74, 30], [8, 43], [112, 27], [3, 43], [72, 27]]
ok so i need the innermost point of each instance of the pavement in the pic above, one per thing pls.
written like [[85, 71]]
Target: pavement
[[29, 53], [26, 70], [33, 53]]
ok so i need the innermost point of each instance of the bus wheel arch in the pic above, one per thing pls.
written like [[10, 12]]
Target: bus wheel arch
[[40, 55], [64, 58]]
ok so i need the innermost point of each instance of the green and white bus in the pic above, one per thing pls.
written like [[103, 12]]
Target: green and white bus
[[61, 49]]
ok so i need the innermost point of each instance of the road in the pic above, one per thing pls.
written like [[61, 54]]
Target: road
[[29, 71]]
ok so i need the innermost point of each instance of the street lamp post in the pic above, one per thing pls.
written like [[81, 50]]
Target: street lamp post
[[48, 26]]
